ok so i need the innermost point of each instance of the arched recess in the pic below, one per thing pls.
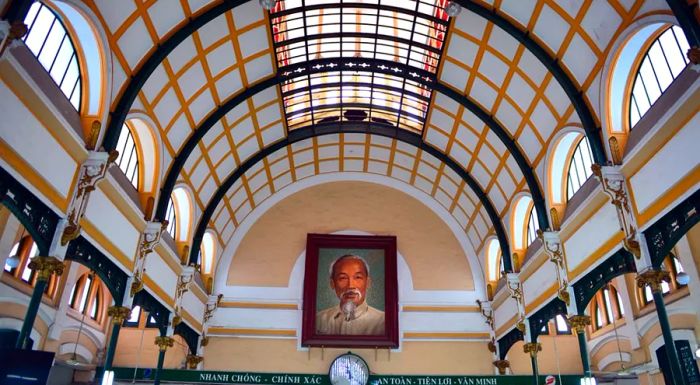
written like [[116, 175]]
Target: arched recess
[[184, 213], [39, 220], [519, 220], [493, 260], [189, 335], [310, 132], [508, 340], [558, 159], [150, 154]]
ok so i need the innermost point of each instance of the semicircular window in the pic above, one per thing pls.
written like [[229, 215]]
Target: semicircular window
[[356, 63], [49, 41]]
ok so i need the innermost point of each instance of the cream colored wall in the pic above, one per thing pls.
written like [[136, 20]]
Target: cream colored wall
[[133, 351], [268, 251], [274, 355], [564, 358]]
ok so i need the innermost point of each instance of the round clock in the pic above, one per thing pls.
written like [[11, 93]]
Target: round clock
[[349, 369]]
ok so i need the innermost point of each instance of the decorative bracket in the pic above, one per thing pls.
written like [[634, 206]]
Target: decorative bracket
[[209, 309], [164, 342], [555, 251], [92, 171], [11, 34], [487, 312], [502, 365], [515, 287], [578, 323], [118, 314], [149, 240], [183, 285], [46, 266], [193, 361], [533, 348], [614, 185], [653, 278]]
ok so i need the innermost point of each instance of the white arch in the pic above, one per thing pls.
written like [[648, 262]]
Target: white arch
[[491, 251], [478, 274], [151, 150], [518, 220], [81, 350], [556, 161], [612, 358], [183, 198], [622, 51]]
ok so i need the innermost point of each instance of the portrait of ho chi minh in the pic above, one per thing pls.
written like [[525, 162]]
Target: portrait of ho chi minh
[[349, 277]]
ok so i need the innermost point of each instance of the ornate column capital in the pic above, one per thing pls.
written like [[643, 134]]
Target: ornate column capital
[[164, 342], [45, 266], [578, 323], [193, 361], [502, 365], [532, 348], [118, 314], [653, 278]]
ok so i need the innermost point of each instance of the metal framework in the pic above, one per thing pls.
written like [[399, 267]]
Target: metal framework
[[541, 317], [189, 335], [507, 341], [154, 308], [82, 251], [359, 127], [617, 264]]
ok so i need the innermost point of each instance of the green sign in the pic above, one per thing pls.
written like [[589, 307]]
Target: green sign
[[221, 377]]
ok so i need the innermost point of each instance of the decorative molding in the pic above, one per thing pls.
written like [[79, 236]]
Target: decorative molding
[[91, 172], [193, 361], [46, 266], [533, 348], [149, 240], [578, 322], [83, 252], [118, 314], [502, 365], [515, 288], [669, 229], [653, 278], [619, 263], [554, 249], [164, 342], [614, 185]]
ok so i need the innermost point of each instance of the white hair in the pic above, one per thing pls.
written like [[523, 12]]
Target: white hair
[[348, 256]]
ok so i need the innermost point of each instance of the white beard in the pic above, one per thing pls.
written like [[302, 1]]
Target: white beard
[[348, 309]]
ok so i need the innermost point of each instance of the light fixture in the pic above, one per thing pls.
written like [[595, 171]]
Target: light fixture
[[682, 278], [108, 377], [588, 380], [453, 9], [267, 4]]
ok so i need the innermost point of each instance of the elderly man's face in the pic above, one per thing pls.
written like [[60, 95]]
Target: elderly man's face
[[350, 281]]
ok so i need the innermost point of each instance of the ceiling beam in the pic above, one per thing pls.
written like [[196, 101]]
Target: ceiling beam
[[368, 128]]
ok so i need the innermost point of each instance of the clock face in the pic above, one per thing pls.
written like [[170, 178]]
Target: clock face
[[349, 369]]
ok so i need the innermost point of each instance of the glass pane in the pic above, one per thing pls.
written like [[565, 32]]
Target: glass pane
[[648, 297], [135, 314], [84, 294], [71, 299], [608, 305], [562, 327], [93, 308], [620, 306], [598, 318]]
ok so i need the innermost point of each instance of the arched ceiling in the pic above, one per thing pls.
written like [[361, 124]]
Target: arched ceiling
[[487, 93]]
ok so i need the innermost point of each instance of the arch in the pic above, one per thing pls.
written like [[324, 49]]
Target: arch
[[663, 235], [621, 66], [559, 157], [618, 263], [493, 260], [208, 251], [310, 132], [478, 275], [184, 213], [149, 145], [541, 317], [519, 222]]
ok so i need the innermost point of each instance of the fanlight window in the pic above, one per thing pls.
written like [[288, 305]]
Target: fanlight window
[[128, 160], [607, 307], [179, 214], [673, 265], [208, 250], [579, 168], [662, 63], [48, 39], [493, 256], [171, 218], [86, 296], [532, 226]]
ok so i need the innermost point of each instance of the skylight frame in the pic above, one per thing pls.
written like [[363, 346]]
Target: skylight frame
[[326, 80]]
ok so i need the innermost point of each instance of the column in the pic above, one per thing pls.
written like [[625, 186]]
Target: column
[[578, 324], [163, 343], [45, 267], [533, 348], [118, 314], [653, 277]]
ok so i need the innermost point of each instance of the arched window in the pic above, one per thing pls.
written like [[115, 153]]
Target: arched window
[[579, 167], [179, 214], [26, 249], [493, 257], [524, 223], [532, 226], [134, 318], [662, 63], [606, 307], [562, 325], [48, 39], [207, 252], [128, 160], [673, 265], [86, 296]]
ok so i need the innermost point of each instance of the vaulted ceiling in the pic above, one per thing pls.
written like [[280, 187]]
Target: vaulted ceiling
[[464, 108]]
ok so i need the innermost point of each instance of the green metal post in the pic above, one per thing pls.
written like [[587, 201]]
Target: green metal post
[[161, 358], [112, 346], [535, 369], [673, 362], [583, 349], [32, 311]]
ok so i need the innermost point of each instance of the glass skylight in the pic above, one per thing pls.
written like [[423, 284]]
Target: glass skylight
[[358, 62]]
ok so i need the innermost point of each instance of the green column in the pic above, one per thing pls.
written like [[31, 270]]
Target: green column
[[161, 358], [535, 369], [583, 349], [112, 346], [44, 268], [676, 374], [30, 317], [532, 348]]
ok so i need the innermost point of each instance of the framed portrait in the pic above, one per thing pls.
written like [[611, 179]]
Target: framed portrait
[[350, 291]]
